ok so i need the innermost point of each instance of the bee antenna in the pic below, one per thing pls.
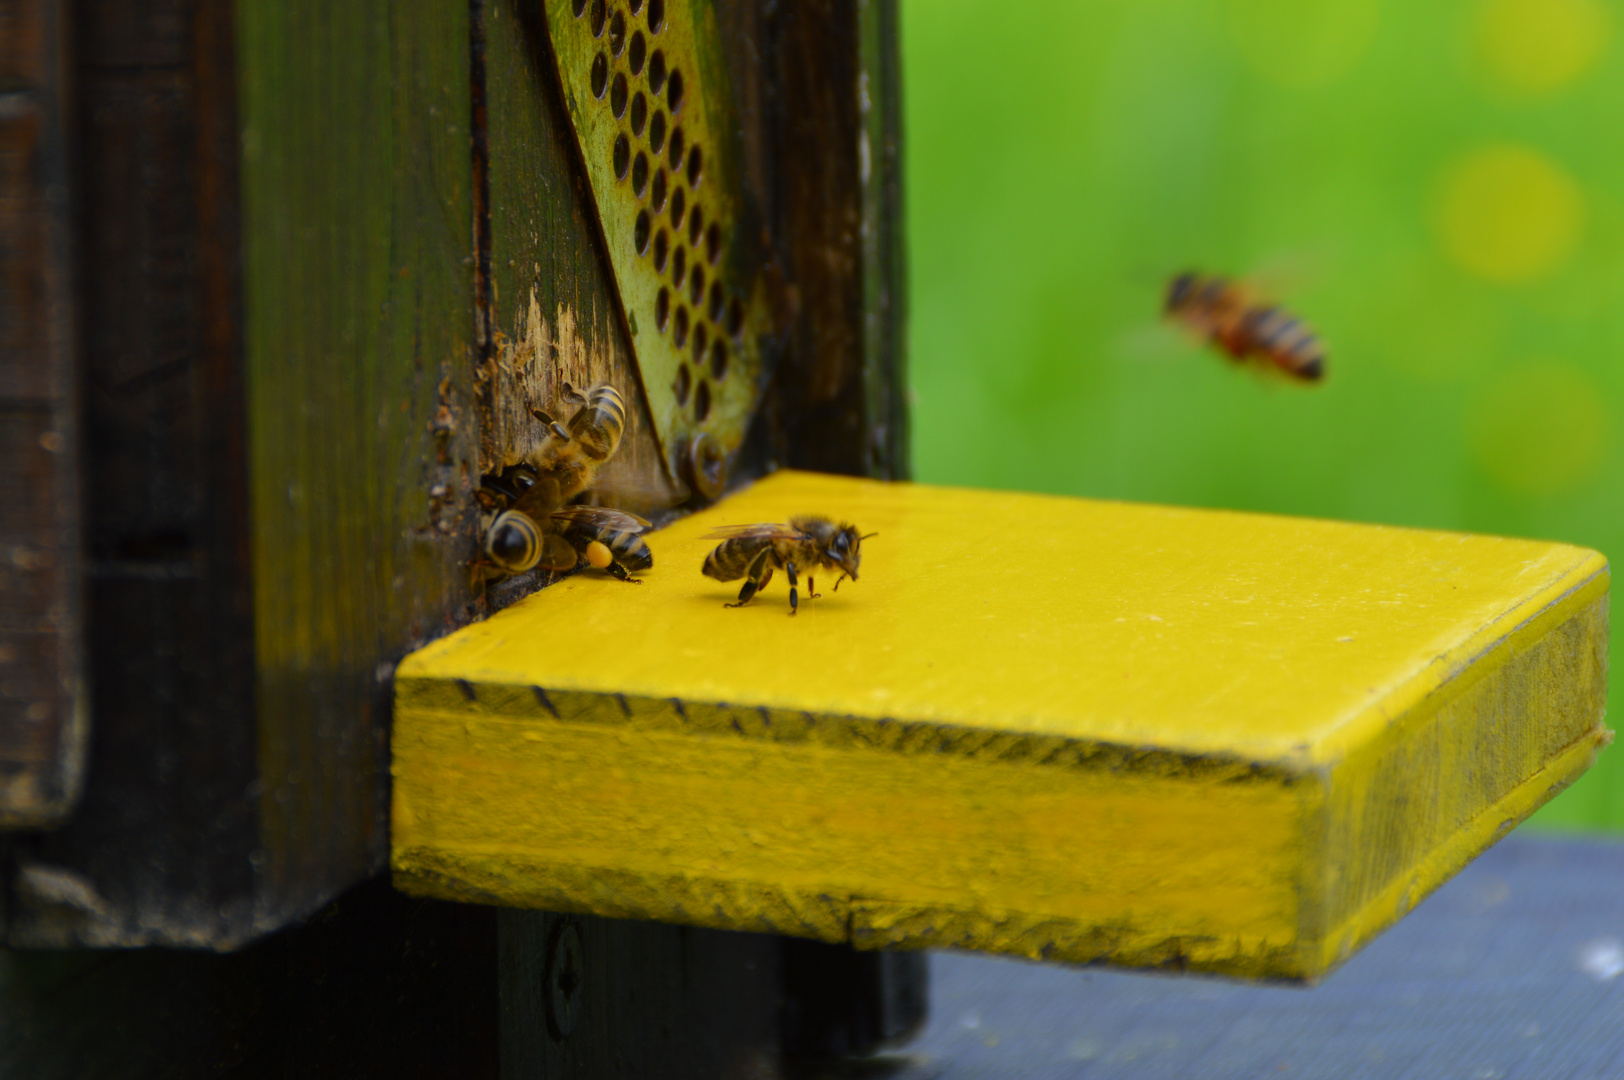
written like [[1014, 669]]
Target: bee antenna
[[866, 537]]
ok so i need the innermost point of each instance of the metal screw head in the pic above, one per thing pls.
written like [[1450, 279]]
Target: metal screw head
[[565, 974]]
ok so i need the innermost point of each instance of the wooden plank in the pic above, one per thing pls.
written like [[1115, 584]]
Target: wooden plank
[[360, 360], [1054, 727], [43, 708], [158, 848]]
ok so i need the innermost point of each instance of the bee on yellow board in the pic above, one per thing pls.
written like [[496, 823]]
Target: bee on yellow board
[[533, 527], [807, 543], [1225, 314]]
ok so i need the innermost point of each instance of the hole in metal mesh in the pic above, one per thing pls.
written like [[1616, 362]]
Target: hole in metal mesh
[[640, 178], [579, 7], [600, 15], [676, 149], [659, 191], [679, 266], [673, 91], [682, 385], [696, 223], [637, 5], [656, 132], [617, 96], [702, 402], [695, 166], [640, 230], [600, 75], [696, 285], [713, 251], [719, 360], [639, 52], [662, 305], [639, 113], [656, 15], [617, 34], [679, 204], [701, 339], [735, 319], [656, 71], [715, 311], [623, 156], [679, 327], [661, 250]]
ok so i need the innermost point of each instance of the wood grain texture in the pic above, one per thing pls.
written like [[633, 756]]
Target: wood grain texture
[[553, 307], [1053, 727], [43, 707], [158, 848], [360, 361]]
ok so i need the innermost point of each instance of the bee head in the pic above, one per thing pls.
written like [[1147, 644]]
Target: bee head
[[845, 550], [1179, 291]]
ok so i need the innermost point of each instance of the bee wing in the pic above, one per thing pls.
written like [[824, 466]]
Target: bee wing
[[767, 531], [557, 553], [603, 516]]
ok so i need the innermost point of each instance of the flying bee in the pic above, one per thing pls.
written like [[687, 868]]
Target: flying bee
[[1226, 315], [570, 456], [807, 543]]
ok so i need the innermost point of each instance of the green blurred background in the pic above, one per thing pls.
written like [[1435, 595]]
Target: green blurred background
[[1438, 188]]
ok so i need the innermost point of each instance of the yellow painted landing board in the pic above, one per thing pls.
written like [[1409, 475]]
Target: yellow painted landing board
[[1053, 727]]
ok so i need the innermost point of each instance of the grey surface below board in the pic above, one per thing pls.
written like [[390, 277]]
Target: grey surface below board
[[1512, 971]]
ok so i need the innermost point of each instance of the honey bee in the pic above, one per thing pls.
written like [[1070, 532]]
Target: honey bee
[[808, 542], [533, 527], [1225, 314], [570, 456], [607, 539]]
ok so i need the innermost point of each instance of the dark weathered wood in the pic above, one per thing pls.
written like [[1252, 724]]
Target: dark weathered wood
[[320, 299], [702, 1002], [158, 850], [377, 985], [884, 274], [837, 403], [42, 700]]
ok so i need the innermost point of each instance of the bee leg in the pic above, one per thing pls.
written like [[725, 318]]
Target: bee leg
[[754, 578], [615, 570], [812, 589], [794, 599], [838, 580]]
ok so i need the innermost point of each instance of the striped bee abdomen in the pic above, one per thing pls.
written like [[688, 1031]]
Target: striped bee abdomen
[[1286, 341], [513, 542], [731, 559], [599, 423]]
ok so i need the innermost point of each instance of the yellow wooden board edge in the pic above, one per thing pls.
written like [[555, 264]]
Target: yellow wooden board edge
[[632, 752]]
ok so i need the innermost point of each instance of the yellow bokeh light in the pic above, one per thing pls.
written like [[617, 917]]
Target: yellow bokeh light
[[1539, 46], [1508, 213], [1300, 44], [1539, 429]]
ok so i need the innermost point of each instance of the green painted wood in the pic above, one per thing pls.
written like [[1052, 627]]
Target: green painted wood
[[358, 298]]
